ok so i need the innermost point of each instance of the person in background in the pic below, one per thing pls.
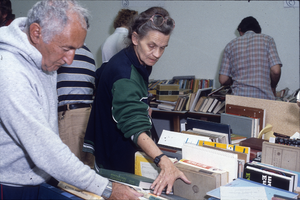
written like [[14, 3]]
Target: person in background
[[75, 89], [251, 62], [120, 120], [31, 151], [6, 16], [118, 40]]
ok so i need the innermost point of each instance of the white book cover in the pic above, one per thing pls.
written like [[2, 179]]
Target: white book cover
[[209, 133], [176, 139], [212, 157]]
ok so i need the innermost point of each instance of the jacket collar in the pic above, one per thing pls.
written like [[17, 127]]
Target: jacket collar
[[145, 71]]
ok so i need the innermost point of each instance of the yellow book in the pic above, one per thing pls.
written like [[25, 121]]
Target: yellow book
[[232, 147]]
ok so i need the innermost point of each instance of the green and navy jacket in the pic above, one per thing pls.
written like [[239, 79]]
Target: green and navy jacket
[[119, 113]]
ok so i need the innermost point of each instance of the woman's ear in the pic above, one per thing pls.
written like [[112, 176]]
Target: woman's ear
[[35, 33], [135, 38]]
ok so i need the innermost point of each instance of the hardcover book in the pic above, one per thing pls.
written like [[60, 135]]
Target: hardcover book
[[202, 182], [200, 93], [280, 171], [223, 160], [268, 178], [240, 125], [210, 126], [168, 92], [248, 112]]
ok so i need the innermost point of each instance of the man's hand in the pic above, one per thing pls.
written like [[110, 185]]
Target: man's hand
[[120, 191], [167, 176]]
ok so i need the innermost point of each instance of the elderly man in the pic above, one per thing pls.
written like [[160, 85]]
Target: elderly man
[[31, 50]]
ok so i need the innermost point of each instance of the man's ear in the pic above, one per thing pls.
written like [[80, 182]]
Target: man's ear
[[35, 33], [135, 38]]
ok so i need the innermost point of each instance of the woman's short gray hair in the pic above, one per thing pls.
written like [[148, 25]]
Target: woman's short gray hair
[[142, 24], [52, 16]]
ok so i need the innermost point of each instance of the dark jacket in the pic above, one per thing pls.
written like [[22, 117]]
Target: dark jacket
[[120, 112]]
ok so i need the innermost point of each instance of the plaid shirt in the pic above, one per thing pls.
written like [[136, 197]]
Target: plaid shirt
[[248, 59]]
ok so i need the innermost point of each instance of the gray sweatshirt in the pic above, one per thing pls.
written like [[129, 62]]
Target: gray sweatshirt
[[30, 148]]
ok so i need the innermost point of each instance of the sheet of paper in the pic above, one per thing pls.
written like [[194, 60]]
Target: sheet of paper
[[243, 193]]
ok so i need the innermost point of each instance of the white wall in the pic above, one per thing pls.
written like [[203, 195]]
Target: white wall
[[203, 28]]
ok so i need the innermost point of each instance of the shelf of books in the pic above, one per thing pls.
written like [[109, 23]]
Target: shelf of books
[[187, 96]]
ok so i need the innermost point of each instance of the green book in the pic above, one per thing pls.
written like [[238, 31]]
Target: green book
[[125, 177]]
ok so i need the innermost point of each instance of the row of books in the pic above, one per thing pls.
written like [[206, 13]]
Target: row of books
[[188, 83], [211, 165], [204, 101], [210, 105], [183, 103]]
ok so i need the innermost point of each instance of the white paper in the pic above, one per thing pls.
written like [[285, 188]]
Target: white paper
[[243, 193]]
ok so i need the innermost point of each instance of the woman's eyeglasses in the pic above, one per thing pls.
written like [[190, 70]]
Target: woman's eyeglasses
[[158, 20]]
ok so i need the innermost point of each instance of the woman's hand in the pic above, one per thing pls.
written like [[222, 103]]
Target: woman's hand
[[167, 176]]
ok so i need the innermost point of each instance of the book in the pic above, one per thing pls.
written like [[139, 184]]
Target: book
[[241, 183], [176, 139], [190, 101], [184, 101], [179, 103], [287, 157], [207, 125], [280, 171], [167, 97], [216, 90], [209, 169], [219, 107], [166, 106], [144, 165], [212, 106], [279, 114], [221, 137], [220, 92], [297, 178], [212, 137], [199, 93], [202, 182], [237, 139], [224, 174], [253, 143], [248, 112], [268, 178], [168, 87], [223, 160], [78, 192], [240, 125], [199, 103], [208, 104], [229, 147], [168, 92], [203, 105], [125, 177]]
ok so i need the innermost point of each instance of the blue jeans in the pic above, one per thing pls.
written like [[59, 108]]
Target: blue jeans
[[29, 192]]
